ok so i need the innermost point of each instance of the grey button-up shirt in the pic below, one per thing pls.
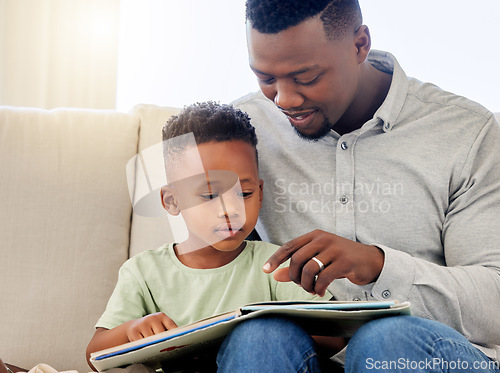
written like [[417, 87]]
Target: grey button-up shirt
[[421, 180]]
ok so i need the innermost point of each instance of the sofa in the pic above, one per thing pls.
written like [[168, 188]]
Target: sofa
[[67, 223]]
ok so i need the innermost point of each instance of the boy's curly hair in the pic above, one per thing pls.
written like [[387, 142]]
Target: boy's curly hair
[[210, 121], [272, 16], [207, 121]]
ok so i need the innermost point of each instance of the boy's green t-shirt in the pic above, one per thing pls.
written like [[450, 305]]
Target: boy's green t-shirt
[[156, 280]]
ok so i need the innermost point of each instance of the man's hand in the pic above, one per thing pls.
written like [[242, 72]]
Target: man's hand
[[342, 258], [149, 325]]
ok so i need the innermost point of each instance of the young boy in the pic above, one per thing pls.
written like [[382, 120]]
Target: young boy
[[215, 184]]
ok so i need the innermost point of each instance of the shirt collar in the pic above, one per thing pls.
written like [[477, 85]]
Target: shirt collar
[[389, 111]]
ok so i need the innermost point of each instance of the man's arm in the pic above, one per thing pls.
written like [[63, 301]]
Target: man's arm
[[462, 287]]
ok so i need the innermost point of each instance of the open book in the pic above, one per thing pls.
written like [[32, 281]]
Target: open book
[[332, 318]]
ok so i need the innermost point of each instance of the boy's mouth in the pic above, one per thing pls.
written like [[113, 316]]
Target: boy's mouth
[[228, 230]]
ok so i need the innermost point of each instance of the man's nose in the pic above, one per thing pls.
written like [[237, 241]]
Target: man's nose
[[286, 96]]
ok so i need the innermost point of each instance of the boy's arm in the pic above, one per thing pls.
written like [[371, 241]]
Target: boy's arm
[[129, 331]]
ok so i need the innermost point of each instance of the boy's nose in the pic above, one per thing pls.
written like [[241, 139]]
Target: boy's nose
[[230, 213], [231, 206], [229, 210]]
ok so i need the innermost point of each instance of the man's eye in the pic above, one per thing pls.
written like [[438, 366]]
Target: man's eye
[[266, 81], [307, 82], [209, 196]]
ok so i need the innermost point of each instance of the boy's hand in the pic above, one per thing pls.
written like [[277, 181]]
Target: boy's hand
[[129, 331], [149, 325]]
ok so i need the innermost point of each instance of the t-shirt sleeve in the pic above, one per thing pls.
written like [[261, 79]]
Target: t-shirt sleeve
[[126, 302]]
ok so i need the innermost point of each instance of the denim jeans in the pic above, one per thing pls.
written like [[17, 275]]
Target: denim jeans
[[394, 344], [412, 344], [268, 345]]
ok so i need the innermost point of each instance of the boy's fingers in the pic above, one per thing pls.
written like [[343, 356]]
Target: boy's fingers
[[282, 275], [158, 328], [168, 323], [134, 335], [285, 252]]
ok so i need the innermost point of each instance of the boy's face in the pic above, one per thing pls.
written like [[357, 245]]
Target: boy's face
[[221, 206]]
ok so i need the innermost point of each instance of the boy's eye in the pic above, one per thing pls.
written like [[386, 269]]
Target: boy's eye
[[245, 194], [209, 196]]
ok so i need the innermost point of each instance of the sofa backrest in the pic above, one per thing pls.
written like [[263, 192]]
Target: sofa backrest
[[150, 232], [64, 228]]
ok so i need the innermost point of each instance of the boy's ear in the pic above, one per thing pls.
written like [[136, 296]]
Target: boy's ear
[[261, 192], [169, 201]]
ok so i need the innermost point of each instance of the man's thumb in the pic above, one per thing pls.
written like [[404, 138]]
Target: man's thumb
[[282, 274]]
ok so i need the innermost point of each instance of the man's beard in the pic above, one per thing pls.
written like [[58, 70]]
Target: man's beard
[[322, 132]]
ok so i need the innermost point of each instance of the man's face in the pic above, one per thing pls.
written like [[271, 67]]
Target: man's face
[[313, 80]]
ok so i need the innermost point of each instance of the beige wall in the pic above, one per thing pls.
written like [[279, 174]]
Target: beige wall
[[57, 53], [2, 54]]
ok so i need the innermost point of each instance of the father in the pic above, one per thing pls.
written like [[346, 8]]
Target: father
[[392, 184]]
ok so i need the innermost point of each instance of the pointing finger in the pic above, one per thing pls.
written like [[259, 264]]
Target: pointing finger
[[285, 252]]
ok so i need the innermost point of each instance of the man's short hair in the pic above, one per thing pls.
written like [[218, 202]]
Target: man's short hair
[[207, 121], [339, 17]]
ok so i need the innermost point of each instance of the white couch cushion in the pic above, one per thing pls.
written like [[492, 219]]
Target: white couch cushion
[[64, 228]]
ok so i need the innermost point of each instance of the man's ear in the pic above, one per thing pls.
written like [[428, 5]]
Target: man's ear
[[169, 201], [363, 42]]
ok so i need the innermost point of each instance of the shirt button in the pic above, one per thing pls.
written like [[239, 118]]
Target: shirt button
[[387, 126], [386, 294], [343, 146], [343, 200], [356, 299]]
